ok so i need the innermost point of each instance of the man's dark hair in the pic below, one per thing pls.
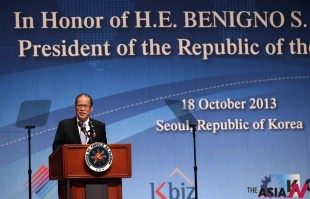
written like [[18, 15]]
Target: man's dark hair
[[84, 94]]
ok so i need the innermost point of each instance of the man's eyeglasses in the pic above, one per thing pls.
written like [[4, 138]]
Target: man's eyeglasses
[[82, 106]]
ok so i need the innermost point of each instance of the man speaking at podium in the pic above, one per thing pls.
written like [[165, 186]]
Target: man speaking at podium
[[81, 129]]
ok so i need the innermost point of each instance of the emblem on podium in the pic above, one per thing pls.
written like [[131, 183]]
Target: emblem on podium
[[98, 157]]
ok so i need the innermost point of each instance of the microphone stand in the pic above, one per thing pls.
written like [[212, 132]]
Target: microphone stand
[[195, 164], [29, 158]]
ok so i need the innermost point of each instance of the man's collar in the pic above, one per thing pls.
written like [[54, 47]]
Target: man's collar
[[86, 122]]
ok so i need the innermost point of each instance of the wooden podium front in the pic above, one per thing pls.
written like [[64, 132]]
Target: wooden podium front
[[68, 166]]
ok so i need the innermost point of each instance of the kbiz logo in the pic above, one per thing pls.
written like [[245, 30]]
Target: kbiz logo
[[172, 190]]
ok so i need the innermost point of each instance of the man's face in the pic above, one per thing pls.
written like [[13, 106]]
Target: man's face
[[83, 108]]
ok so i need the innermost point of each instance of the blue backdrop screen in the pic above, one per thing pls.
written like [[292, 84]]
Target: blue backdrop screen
[[240, 67]]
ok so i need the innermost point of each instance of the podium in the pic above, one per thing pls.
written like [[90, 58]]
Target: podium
[[68, 166]]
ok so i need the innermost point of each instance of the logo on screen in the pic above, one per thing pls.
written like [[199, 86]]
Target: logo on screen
[[281, 186], [180, 187], [98, 157]]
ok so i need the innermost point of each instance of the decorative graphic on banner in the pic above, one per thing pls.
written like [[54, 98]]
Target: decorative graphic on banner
[[41, 186]]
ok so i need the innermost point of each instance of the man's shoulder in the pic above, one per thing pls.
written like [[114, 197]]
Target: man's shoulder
[[96, 122], [68, 120]]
